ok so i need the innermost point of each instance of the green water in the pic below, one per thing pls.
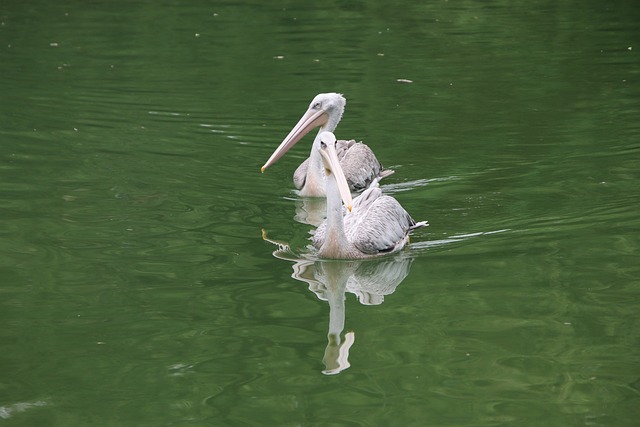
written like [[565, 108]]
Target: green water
[[136, 288]]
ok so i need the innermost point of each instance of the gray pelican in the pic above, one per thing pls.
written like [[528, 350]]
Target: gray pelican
[[374, 224], [360, 165]]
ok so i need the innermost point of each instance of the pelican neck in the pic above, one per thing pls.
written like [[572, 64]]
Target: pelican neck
[[335, 235]]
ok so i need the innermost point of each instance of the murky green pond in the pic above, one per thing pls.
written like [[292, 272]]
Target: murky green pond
[[135, 285]]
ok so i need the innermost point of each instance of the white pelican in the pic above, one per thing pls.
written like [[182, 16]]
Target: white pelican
[[375, 224], [360, 165]]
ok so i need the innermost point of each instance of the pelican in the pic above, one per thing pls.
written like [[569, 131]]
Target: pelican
[[359, 164], [374, 224]]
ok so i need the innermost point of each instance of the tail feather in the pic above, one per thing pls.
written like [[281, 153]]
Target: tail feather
[[386, 172], [419, 225], [383, 174]]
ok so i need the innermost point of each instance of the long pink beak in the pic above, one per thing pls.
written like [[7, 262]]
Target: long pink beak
[[311, 119]]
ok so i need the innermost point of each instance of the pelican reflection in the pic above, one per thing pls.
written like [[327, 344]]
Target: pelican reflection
[[369, 280], [311, 210]]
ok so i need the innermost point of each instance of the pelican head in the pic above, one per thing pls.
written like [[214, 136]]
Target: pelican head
[[332, 168], [324, 111]]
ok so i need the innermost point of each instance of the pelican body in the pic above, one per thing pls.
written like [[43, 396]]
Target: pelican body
[[360, 166], [374, 224]]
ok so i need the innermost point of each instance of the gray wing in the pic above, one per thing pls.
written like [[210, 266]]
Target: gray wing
[[342, 146], [359, 164], [377, 223], [300, 175], [317, 239]]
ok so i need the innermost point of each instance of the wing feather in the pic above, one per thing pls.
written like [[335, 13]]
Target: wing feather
[[359, 164], [300, 175], [377, 223]]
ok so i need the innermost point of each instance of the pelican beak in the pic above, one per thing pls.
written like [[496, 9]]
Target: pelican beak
[[332, 166], [311, 119]]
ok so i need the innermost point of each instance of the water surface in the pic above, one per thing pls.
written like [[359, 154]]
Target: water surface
[[136, 287]]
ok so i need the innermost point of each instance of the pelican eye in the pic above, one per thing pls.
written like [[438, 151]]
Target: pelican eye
[[316, 106], [322, 144]]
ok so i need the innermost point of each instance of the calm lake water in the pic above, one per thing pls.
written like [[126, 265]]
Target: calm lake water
[[135, 285]]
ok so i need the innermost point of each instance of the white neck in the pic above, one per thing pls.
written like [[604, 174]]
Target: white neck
[[335, 242], [315, 181]]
